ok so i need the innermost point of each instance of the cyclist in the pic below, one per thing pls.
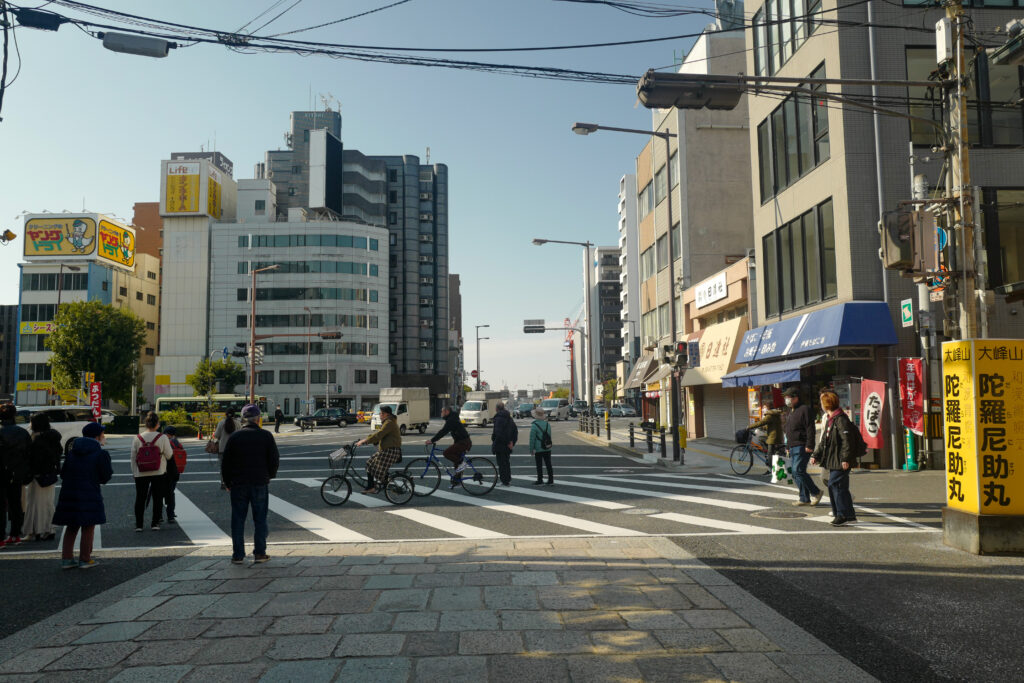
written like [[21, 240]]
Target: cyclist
[[456, 453], [772, 422], [389, 449]]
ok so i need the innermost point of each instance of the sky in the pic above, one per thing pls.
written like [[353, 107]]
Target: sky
[[86, 128]]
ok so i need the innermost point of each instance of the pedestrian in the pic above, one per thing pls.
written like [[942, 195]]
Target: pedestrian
[[771, 420], [540, 444], [389, 449], [173, 474], [835, 455], [504, 436], [250, 461], [150, 452], [456, 453], [225, 428], [278, 419], [44, 454], [15, 472], [80, 504], [799, 430]]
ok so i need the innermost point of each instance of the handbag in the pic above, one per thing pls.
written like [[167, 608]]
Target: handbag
[[212, 446], [45, 480]]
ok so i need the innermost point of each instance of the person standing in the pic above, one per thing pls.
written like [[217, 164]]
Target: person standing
[[225, 428], [836, 456], [503, 440], [389, 449], [250, 461], [799, 430], [456, 453], [44, 454], [278, 419], [80, 504], [540, 445], [15, 472], [148, 468], [173, 474]]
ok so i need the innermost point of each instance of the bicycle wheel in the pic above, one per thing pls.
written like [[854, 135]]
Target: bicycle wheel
[[335, 490], [399, 489], [741, 459], [425, 475], [479, 477]]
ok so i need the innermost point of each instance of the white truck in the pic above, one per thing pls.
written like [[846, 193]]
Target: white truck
[[411, 407], [480, 407]]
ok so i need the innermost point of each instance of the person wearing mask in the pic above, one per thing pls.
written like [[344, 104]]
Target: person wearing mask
[[278, 419], [44, 454], [540, 444], [503, 439], [771, 420], [251, 460], [80, 503], [836, 456], [456, 453], [225, 428], [799, 430], [15, 472], [150, 452], [389, 449]]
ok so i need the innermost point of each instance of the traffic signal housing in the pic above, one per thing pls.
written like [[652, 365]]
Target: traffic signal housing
[[240, 350], [682, 356]]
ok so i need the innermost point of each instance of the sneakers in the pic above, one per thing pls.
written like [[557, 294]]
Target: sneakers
[[815, 499], [13, 540], [138, 529], [260, 559], [237, 560], [461, 467], [87, 565], [172, 520], [799, 503], [538, 482], [155, 526], [69, 564], [843, 521], [454, 482], [550, 483]]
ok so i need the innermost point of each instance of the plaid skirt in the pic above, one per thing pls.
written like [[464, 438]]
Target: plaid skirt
[[380, 461]]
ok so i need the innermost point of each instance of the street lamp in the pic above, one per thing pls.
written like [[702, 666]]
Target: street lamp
[[60, 280], [585, 356], [587, 129], [309, 330], [252, 330], [478, 338]]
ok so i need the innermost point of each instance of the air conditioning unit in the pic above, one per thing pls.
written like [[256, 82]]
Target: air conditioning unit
[[426, 280], [426, 259], [426, 195], [426, 216], [424, 301], [426, 366], [426, 238], [424, 345]]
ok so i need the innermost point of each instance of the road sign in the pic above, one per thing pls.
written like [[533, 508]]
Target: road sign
[[943, 237], [474, 374], [533, 326], [907, 312]]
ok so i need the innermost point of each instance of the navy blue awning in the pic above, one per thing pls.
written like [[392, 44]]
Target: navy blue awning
[[769, 373]]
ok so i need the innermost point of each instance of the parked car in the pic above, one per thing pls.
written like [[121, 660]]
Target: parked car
[[599, 408], [577, 408], [615, 411], [627, 411], [522, 410], [556, 408], [326, 417]]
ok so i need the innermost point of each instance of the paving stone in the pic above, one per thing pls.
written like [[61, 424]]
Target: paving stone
[[748, 667], [592, 620], [66, 635], [557, 641], [700, 597], [621, 642], [312, 671], [456, 599], [377, 670], [712, 618], [345, 582], [527, 669], [510, 597], [96, 656], [33, 660], [433, 669], [647, 620], [346, 602], [233, 650], [471, 620], [673, 575], [413, 568], [291, 584], [438, 580], [670, 668], [227, 673], [620, 597], [371, 569], [374, 622], [191, 587], [431, 644], [81, 676], [327, 570], [182, 607], [237, 605], [541, 578], [404, 559], [748, 640], [565, 598], [416, 621], [286, 604], [115, 632], [692, 640], [810, 667], [522, 620], [230, 628], [127, 609], [666, 597], [241, 585], [161, 653], [305, 646], [300, 623], [598, 669], [401, 600], [190, 575], [157, 674], [177, 630], [370, 645], [319, 561], [362, 559], [389, 581], [488, 579], [490, 642]]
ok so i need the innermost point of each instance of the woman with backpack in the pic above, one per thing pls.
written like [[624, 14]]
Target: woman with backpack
[[836, 452], [80, 504], [175, 466], [150, 452], [44, 454], [540, 445]]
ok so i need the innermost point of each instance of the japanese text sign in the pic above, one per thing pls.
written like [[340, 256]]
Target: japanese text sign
[[117, 244], [60, 236], [95, 399], [912, 394], [872, 402]]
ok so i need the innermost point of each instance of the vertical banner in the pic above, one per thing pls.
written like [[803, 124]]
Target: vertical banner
[[958, 402], [911, 395], [999, 415], [95, 399], [872, 402]]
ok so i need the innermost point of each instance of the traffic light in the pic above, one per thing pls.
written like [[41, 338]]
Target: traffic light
[[682, 356], [259, 354], [240, 350], [668, 354]]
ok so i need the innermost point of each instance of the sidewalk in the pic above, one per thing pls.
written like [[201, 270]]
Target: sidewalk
[[701, 454], [580, 609]]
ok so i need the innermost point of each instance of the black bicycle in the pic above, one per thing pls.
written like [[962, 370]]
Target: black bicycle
[[336, 489], [742, 457]]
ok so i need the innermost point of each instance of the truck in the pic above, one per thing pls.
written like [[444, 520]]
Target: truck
[[480, 407], [411, 406]]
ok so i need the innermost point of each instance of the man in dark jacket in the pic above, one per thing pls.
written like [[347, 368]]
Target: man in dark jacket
[[503, 440], [453, 425], [799, 430], [278, 419], [250, 461], [15, 472]]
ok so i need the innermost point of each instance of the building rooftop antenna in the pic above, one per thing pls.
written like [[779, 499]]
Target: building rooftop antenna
[[428, 157]]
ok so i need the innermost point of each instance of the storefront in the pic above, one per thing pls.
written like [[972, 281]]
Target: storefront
[[644, 368], [712, 410]]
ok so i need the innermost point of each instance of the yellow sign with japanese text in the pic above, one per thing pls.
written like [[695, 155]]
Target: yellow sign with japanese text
[[213, 197], [37, 327], [182, 194], [117, 244], [61, 236], [983, 405], [33, 386]]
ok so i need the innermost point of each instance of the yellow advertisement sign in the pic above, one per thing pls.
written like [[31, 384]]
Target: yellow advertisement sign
[[37, 328], [59, 235], [983, 403], [182, 194], [33, 386], [213, 197], [117, 244]]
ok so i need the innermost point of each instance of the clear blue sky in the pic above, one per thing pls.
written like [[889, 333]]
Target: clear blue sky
[[83, 126]]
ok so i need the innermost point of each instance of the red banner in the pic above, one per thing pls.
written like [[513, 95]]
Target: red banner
[[95, 399], [911, 394], [872, 403]]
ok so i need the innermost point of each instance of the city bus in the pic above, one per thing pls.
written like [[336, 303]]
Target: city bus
[[204, 411]]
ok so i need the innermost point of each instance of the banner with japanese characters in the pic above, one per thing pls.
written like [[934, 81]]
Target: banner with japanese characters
[[983, 403], [872, 404], [912, 394]]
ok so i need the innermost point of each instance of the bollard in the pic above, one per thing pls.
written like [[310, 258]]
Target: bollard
[[608, 427], [662, 442], [632, 442], [650, 440]]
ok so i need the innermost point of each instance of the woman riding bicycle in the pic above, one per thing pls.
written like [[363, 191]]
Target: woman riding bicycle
[[389, 449], [772, 422]]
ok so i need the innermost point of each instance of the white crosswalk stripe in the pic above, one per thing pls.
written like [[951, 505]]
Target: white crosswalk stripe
[[199, 528], [445, 524], [565, 497], [715, 523], [697, 487], [315, 524], [734, 505]]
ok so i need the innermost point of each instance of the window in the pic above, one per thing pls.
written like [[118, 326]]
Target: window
[[799, 262], [243, 241], [323, 377], [34, 372], [296, 170], [138, 296], [779, 29], [293, 376], [660, 186], [1004, 235], [305, 135], [374, 270], [645, 202], [373, 244], [392, 175], [33, 342], [392, 196], [151, 275], [104, 285], [662, 251], [360, 376], [259, 207], [647, 263], [265, 377], [673, 164], [37, 312], [373, 376], [311, 293], [677, 246], [150, 351], [291, 191], [241, 321], [663, 327], [151, 299], [123, 291], [150, 326]]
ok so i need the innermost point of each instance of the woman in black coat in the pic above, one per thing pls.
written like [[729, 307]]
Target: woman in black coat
[[80, 505], [44, 455]]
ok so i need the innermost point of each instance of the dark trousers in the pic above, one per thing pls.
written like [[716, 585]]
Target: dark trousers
[[170, 482], [804, 484], [243, 497], [277, 426], [457, 451], [839, 494], [543, 458], [10, 509], [145, 488], [502, 454]]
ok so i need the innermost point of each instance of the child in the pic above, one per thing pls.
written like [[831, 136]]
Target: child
[[175, 466]]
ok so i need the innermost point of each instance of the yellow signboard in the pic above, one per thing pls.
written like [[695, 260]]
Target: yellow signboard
[[983, 403], [59, 235], [213, 196], [37, 328], [182, 195], [117, 244], [33, 386]]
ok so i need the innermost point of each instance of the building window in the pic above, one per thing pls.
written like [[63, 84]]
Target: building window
[[296, 170], [150, 351], [123, 291], [34, 372], [151, 299], [392, 218], [241, 294], [33, 342], [780, 27], [259, 207], [799, 262], [305, 135], [373, 376], [293, 377], [151, 275], [660, 186], [647, 263], [645, 202], [265, 377], [312, 293], [104, 285], [150, 326], [360, 376], [1004, 235], [392, 196], [138, 296], [291, 191], [663, 315], [374, 244], [241, 321], [323, 377], [243, 267], [374, 270], [37, 312], [243, 241], [673, 164], [662, 251]]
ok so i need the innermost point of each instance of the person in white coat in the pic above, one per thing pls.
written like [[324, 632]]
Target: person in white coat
[[150, 483]]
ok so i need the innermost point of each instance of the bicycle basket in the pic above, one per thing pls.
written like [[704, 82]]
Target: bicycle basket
[[336, 459], [742, 435]]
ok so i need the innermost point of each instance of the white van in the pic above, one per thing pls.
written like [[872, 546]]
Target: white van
[[556, 408], [68, 420]]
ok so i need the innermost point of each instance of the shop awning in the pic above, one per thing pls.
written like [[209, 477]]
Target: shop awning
[[717, 345], [639, 371], [769, 373], [659, 374]]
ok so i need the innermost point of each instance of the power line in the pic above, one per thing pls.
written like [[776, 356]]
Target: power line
[[338, 21], [256, 18], [277, 16]]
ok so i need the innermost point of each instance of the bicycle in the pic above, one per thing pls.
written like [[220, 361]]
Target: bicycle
[[741, 458], [336, 489], [477, 479]]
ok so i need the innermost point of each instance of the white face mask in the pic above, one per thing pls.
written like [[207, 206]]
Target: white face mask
[[789, 402]]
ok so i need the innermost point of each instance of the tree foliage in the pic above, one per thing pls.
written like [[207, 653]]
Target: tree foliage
[[560, 393], [94, 337], [204, 378], [610, 388]]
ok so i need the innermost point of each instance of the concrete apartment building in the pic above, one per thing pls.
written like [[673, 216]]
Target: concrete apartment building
[[605, 315], [629, 281], [8, 348]]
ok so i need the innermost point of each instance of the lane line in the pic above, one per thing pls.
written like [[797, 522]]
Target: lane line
[[450, 526], [541, 493], [315, 524], [199, 528], [716, 523], [699, 487], [661, 494]]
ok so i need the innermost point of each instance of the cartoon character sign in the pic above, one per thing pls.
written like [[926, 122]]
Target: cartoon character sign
[[126, 246], [76, 236]]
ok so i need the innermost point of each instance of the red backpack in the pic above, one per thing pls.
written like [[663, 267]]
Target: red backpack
[[180, 456], [149, 456]]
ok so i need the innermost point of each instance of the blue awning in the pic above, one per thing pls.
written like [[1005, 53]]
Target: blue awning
[[768, 373]]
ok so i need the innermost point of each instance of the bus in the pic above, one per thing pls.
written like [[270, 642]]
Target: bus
[[208, 411]]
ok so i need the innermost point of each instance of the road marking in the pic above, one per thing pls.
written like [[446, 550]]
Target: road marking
[[660, 494], [553, 518], [199, 528], [444, 524], [716, 523], [540, 493], [97, 538], [699, 487], [315, 524]]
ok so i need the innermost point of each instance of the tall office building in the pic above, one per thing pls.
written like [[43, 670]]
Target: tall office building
[[8, 348], [605, 315], [629, 280]]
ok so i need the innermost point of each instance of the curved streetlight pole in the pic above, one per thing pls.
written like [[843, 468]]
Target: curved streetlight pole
[[478, 338]]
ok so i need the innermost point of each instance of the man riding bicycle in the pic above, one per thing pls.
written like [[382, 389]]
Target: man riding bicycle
[[389, 449], [456, 453], [772, 422]]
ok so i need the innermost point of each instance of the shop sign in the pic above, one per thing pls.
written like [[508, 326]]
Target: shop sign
[[96, 399], [37, 327], [872, 402], [71, 237], [712, 290], [33, 386], [182, 182], [912, 394], [117, 244]]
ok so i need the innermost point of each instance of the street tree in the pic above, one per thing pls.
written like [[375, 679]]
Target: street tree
[[560, 393], [208, 372], [94, 337], [611, 387]]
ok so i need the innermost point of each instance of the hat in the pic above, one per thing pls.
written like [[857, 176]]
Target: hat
[[250, 411], [791, 391], [92, 430], [539, 413], [170, 430]]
